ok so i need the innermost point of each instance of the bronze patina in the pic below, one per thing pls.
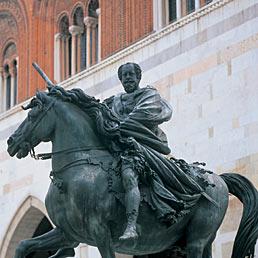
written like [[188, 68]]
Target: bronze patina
[[113, 186]]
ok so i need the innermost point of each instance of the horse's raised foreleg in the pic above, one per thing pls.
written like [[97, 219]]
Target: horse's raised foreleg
[[51, 240]]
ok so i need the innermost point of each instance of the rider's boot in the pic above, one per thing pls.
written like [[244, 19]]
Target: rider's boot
[[130, 231]]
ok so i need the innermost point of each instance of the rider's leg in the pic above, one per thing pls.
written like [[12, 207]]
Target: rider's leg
[[51, 240], [132, 201]]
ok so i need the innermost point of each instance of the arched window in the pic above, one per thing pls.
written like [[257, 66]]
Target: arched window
[[8, 78], [190, 6], [92, 28], [172, 11], [78, 41], [65, 49], [168, 11], [77, 44]]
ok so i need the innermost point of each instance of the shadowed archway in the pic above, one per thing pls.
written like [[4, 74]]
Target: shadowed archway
[[30, 220]]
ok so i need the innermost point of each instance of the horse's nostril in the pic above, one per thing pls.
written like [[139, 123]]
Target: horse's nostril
[[9, 141]]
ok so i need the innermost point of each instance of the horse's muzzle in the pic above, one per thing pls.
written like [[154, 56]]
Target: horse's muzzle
[[12, 147], [16, 146]]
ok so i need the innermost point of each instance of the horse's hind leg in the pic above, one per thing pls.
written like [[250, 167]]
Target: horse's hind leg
[[208, 216], [52, 240]]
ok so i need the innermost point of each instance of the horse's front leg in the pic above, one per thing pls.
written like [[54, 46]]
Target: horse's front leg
[[64, 252], [104, 242], [51, 240]]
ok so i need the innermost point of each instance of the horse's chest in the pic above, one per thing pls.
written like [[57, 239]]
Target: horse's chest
[[76, 209]]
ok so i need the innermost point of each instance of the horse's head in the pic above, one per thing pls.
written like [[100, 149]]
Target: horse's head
[[38, 126]]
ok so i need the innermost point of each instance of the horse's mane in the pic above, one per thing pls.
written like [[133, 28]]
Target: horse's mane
[[105, 120]]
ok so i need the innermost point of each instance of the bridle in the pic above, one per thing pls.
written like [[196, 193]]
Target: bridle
[[49, 155], [32, 151]]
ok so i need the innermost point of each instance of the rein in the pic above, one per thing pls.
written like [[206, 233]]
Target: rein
[[49, 155]]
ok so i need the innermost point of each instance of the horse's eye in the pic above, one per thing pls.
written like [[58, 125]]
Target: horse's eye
[[32, 114]]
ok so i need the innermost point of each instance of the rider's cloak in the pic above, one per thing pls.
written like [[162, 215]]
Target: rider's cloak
[[171, 192]]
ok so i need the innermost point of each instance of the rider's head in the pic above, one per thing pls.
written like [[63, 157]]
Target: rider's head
[[130, 75]]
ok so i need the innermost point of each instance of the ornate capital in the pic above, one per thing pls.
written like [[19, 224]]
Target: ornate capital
[[90, 21], [58, 36], [5, 74], [13, 71], [64, 37], [98, 11], [75, 30]]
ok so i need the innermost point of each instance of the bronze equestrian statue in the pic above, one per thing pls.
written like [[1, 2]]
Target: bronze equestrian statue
[[112, 187]]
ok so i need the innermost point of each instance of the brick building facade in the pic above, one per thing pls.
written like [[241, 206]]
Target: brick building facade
[[30, 28], [201, 55]]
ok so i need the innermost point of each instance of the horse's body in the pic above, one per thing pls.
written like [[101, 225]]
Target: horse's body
[[83, 209]]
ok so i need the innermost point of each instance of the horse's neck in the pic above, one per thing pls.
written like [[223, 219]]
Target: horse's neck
[[74, 130]]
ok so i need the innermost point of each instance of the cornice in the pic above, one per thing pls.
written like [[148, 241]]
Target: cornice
[[146, 41], [132, 48]]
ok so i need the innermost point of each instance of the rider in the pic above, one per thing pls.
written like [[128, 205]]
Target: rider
[[140, 111]]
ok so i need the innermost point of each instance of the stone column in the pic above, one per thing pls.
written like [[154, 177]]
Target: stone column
[[178, 9], [158, 15], [89, 22], [197, 4], [98, 11], [62, 57], [4, 81], [78, 53], [13, 74], [1, 90], [94, 44], [57, 59], [75, 31]]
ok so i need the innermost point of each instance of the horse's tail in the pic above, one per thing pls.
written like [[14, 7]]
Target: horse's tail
[[247, 233]]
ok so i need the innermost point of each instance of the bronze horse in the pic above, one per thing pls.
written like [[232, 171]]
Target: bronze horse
[[84, 211]]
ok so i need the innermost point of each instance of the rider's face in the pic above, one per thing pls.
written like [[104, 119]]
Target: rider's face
[[129, 79]]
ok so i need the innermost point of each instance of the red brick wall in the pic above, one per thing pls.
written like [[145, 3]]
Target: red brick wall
[[123, 22]]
